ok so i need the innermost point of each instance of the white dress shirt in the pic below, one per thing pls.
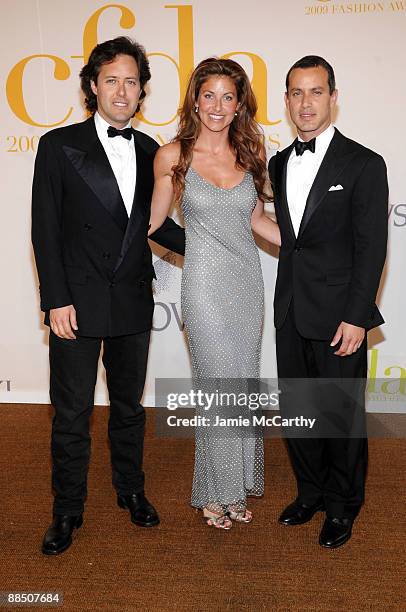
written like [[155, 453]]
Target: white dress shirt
[[301, 172], [122, 158]]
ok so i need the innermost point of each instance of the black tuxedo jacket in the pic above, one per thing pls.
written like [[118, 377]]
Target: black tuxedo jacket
[[332, 268], [88, 253]]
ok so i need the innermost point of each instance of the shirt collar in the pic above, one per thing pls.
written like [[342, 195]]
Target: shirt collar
[[322, 142], [102, 126], [323, 138]]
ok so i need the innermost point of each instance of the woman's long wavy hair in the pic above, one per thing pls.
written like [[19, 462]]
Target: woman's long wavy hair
[[245, 135]]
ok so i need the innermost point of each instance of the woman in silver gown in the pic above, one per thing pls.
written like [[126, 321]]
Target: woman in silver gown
[[216, 168]]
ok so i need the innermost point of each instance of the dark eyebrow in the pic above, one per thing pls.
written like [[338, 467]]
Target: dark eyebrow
[[312, 89], [224, 94], [114, 76]]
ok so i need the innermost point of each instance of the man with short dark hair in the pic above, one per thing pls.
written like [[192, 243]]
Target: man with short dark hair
[[331, 197], [92, 189]]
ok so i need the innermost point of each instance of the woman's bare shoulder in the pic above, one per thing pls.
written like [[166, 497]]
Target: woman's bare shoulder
[[166, 158], [169, 153]]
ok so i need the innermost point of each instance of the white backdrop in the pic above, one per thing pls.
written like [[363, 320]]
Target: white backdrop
[[44, 43]]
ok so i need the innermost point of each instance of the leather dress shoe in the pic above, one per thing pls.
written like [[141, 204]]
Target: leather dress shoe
[[58, 537], [335, 532], [142, 512], [297, 513]]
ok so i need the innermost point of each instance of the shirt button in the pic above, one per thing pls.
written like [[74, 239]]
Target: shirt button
[[111, 285], [87, 227], [106, 255], [297, 249]]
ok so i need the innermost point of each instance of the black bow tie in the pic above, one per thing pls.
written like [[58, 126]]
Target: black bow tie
[[301, 147], [125, 133]]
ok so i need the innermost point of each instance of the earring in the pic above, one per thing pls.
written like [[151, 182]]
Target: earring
[[235, 114], [196, 109]]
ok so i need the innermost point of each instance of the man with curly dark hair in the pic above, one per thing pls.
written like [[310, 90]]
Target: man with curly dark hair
[[90, 212]]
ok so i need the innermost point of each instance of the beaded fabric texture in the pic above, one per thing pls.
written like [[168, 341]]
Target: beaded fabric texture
[[222, 307]]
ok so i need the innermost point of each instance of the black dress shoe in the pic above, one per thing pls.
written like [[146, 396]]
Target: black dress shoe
[[59, 534], [335, 532], [142, 512], [297, 513]]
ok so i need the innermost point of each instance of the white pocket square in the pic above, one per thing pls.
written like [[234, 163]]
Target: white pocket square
[[336, 187]]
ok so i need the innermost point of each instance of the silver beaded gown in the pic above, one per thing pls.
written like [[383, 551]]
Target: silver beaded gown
[[222, 307]]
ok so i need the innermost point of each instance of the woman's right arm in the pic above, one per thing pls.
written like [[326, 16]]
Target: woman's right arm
[[162, 197]]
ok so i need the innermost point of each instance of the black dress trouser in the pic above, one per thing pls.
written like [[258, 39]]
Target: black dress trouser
[[332, 469], [73, 372]]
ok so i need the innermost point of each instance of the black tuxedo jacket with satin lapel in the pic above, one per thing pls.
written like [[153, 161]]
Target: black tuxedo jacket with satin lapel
[[332, 268], [88, 252]]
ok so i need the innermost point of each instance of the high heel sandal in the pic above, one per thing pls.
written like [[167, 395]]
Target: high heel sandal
[[243, 516], [220, 521]]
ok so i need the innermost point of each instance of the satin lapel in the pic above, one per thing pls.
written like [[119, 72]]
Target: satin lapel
[[281, 172], [142, 197], [94, 168], [332, 165]]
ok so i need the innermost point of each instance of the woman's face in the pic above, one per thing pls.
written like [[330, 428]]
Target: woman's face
[[217, 103]]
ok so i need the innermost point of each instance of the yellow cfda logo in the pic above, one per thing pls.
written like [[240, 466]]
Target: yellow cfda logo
[[395, 385], [61, 69]]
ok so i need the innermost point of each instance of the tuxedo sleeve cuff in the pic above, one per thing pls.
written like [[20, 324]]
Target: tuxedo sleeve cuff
[[366, 316], [57, 301]]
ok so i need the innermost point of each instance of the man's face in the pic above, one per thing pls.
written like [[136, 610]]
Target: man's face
[[309, 101], [118, 90]]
